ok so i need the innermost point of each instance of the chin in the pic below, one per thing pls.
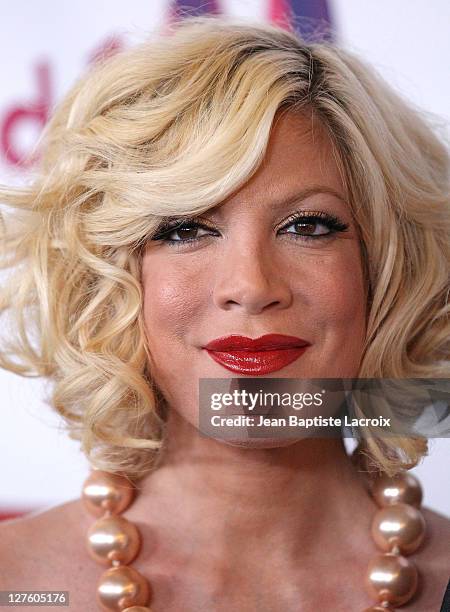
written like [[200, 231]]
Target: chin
[[258, 443]]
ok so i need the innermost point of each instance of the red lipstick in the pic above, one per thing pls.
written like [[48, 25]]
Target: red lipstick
[[257, 356]]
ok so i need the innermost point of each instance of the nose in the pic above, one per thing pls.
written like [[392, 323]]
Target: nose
[[249, 278]]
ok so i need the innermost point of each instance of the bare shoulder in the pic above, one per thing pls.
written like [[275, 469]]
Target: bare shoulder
[[436, 543], [433, 558], [39, 535], [47, 551]]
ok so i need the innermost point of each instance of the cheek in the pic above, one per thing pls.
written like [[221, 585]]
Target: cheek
[[340, 305], [341, 296], [170, 302], [330, 291], [172, 307], [335, 301]]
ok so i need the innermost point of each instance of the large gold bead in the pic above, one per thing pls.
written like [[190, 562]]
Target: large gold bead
[[398, 525], [391, 578], [403, 488], [122, 587], [113, 538], [107, 492]]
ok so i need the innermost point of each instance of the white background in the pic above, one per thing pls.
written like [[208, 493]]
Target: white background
[[407, 40]]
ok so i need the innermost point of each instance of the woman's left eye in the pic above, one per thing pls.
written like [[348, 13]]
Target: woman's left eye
[[314, 225], [306, 227]]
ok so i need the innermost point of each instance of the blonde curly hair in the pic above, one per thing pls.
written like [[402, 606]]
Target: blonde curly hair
[[128, 147]]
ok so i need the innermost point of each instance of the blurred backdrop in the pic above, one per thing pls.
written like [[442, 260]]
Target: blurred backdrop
[[45, 45]]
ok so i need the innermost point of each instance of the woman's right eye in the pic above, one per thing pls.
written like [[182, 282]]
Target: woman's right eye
[[186, 231]]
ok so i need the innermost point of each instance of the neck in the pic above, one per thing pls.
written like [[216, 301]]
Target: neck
[[224, 495]]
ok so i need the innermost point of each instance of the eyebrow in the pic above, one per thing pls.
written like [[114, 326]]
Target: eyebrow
[[298, 196]]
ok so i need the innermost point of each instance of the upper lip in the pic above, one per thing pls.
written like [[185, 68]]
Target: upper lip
[[236, 342]]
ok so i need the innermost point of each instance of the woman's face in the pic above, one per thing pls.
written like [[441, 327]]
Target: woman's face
[[253, 270]]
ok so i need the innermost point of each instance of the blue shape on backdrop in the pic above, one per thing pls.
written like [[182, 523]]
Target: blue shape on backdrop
[[197, 7], [310, 18], [313, 14]]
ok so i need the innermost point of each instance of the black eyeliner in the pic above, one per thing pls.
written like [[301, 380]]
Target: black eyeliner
[[330, 220]]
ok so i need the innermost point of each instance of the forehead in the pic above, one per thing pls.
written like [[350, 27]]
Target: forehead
[[300, 160]]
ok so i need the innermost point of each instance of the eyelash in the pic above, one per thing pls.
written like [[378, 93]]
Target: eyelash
[[330, 221]]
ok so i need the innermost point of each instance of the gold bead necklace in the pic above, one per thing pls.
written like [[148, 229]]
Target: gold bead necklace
[[398, 529]]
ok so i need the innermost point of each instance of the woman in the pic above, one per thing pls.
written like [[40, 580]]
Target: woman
[[228, 179]]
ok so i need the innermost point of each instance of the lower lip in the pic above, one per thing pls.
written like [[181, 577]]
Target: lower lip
[[257, 362]]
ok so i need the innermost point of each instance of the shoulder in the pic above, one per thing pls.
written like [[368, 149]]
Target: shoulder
[[437, 539], [47, 551], [45, 531], [433, 559]]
